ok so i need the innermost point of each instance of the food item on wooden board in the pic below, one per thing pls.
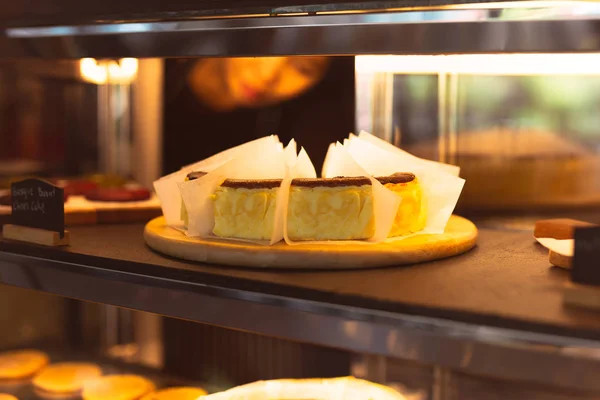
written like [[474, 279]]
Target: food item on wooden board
[[117, 387], [67, 377], [190, 177], [342, 208], [76, 187], [412, 215], [19, 364], [176, 393], [558, 228], [330, 209], [118, 194], [245, 209], [357, 206], [107, 180]]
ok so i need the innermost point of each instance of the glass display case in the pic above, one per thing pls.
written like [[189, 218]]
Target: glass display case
[[526, 119], [113, 96]]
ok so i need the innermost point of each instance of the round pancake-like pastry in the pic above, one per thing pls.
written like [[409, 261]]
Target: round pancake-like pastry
[[118, 194], [21, 363], [4, 396], [117, 387], [176, 393], [67, 377]]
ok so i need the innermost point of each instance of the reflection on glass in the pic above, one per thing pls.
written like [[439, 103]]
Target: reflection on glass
[[523, 128], [212, 104], [229, 83]]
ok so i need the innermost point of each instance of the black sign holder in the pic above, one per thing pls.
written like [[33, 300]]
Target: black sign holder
[[38, 214], [584, 288]]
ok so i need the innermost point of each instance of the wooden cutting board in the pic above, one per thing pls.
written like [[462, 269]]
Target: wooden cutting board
[[459, 237]]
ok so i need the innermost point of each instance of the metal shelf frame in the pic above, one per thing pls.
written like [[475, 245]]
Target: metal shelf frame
[[517, 355], [555, 28], [75, 12]]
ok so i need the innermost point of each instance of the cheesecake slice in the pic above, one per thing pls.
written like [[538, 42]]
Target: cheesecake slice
[[411, 215], [330, 209], [245, 209], [342, 208]]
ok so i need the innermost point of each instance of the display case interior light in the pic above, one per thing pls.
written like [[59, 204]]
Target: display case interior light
[[122, 71], [483, 64]]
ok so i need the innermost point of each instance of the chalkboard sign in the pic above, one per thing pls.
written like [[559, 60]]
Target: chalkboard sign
[[38, 204], [586, 258]]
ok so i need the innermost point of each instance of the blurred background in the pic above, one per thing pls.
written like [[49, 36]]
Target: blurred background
[[523, 127]]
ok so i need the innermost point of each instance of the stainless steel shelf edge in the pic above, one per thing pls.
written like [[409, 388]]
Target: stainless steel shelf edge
[[61, 12], [381, 33], [503, 353]]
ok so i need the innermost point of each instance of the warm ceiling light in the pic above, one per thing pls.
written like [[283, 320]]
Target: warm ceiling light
[[122, 71], [92, 72]]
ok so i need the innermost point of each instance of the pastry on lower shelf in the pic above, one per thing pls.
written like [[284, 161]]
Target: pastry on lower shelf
[[190, 177], [4, 396], [245, 209], [117, 387], [316, 388], [67, 377], [20, 364], [342, 208], [176, 393]]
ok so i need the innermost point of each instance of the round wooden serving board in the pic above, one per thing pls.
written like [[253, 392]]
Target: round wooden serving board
[[460, 236]]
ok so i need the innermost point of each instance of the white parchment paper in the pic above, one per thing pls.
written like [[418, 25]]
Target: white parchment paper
[[374, 140], [267, 161], [561, 246], [167, 187], [440, 182], [266, 158]]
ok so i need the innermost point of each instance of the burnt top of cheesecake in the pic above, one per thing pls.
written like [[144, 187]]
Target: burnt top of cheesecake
[[339, 181], [398, 177], [195, 175], [342, 181], [252, 183]]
